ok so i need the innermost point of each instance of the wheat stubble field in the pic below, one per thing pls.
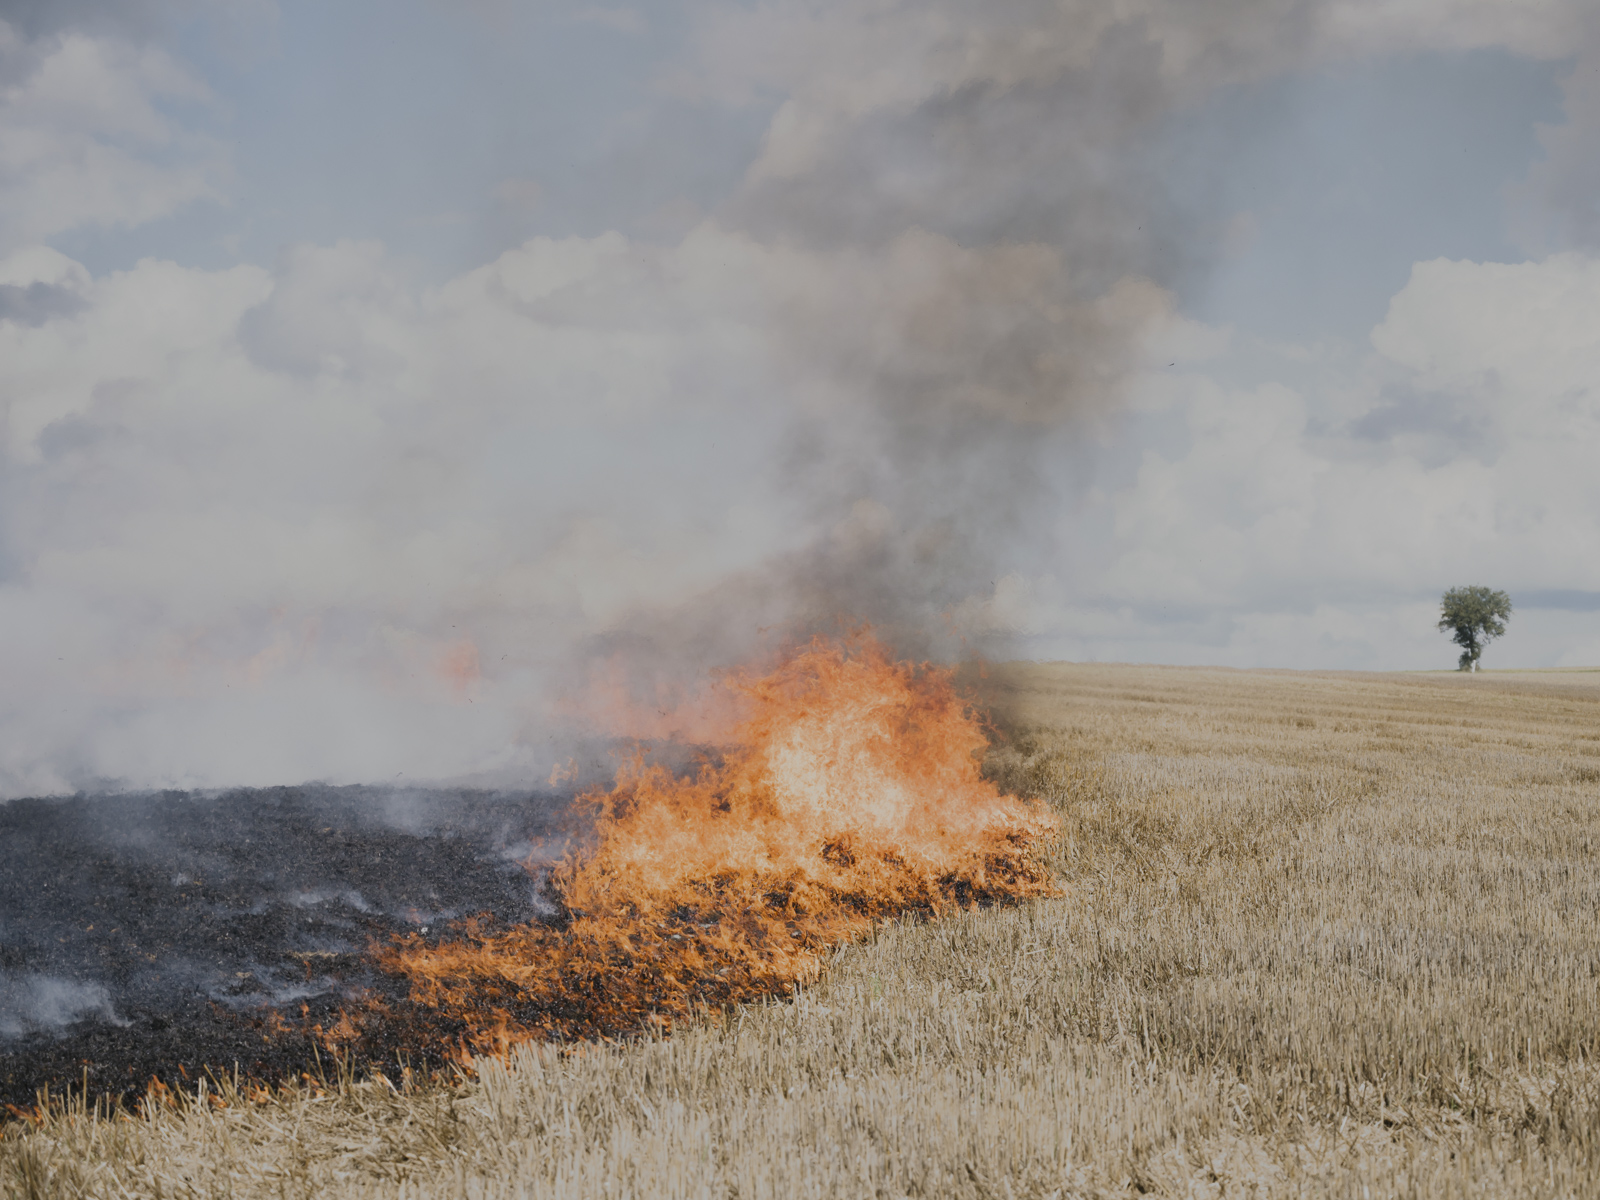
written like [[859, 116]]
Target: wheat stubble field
[[1320, 935]]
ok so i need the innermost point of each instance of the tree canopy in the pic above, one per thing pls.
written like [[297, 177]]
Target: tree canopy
[[1475, 615]]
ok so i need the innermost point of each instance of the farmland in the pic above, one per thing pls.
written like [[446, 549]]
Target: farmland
[[1319, 935]]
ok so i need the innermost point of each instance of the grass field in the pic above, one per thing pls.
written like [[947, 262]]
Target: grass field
[[1321, 935]]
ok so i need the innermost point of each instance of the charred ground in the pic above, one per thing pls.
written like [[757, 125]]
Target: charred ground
[[161, 936]]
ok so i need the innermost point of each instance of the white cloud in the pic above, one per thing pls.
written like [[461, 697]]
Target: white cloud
[[1527, 329], [84, 139], [1312, 523]]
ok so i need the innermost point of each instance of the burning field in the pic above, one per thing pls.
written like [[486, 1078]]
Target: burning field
[[1320, 936], [266, 934]]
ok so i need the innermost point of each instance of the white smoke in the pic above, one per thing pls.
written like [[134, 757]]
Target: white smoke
[[37, 1003]]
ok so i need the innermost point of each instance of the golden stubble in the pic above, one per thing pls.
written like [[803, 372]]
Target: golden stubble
[[1322, 935]]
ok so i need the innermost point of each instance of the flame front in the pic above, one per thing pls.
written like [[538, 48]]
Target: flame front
[[850, 792]]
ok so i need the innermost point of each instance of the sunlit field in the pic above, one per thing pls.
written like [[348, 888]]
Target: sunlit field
[[1319, 935]]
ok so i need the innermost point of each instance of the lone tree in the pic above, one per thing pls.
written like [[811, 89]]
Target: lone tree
[[1476, 615]]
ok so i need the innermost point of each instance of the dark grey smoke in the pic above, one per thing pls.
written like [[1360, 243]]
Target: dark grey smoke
[[996, 238]]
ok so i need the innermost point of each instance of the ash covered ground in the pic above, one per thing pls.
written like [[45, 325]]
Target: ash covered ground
[[156, 935]]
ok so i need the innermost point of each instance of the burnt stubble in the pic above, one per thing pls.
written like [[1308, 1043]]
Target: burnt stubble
[[170, 935]]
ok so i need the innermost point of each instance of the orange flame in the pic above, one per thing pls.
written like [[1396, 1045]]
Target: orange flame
[[849, 793]]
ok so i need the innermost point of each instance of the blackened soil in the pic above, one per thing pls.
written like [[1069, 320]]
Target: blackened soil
[[168, 935]]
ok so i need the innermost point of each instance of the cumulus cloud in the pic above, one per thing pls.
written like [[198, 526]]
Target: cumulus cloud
[[1314, 518], [85, 138]]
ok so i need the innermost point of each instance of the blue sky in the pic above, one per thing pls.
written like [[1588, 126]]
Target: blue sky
[[1351, 175], [401, 121], [375, 374]]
